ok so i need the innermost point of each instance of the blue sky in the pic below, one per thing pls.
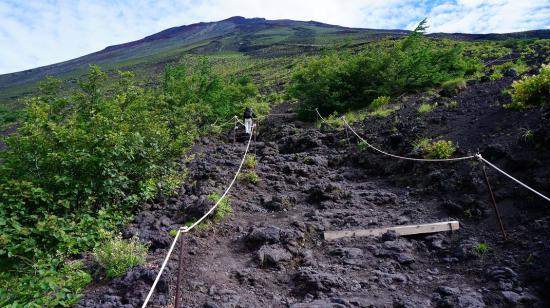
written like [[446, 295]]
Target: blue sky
[[39, 32]]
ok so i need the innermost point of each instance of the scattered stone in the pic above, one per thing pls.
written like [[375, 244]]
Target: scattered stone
[[273, 255]]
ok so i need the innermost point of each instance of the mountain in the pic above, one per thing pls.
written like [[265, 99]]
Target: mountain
[[256, 37]]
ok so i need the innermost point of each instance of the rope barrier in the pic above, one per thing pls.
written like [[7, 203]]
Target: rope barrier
[[406, 158], [475, 156], [478, 156], [323, 119], [185, 229]]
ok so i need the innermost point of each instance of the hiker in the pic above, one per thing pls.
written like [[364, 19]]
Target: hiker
[[247, 117]]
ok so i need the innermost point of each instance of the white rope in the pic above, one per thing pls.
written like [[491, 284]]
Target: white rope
[[161, 269], [406, 158], [232, 120], [323, 119], [185, 229], [478, 156]]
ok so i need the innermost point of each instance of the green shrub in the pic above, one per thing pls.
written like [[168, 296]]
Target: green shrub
[[49, 282], [531, 90], [203, 226], [481, 248], [250, 161], [379, 102], [527, 136], [117, 255], [382, 112], [452, 105], [173, 232], [343, 81], [422, 144], [453, 85], [250, 177], [223, 209], [496, 75], [425, 107], [81, 161], [440, 149]]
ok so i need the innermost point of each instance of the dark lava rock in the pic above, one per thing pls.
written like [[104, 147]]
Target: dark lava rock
[[158, 239], [273, 255], [390, 235], [312, 281], [324, 192], [405, 258], [131, 290], [510, 72], [494, 151], [471, 300], [347, 252], [200, 207], [279, 203], [272, 235]]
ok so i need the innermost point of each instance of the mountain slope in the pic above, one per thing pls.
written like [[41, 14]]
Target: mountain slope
[[233, 34], [254, 36]]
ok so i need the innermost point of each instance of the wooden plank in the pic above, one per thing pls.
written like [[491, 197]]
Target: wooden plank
[[401, 230]]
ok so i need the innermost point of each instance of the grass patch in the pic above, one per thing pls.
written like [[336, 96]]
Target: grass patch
[[453, 85], [452, 105], [117, 255], [379, 102], [440, 149], [425, 107], [481, 248], [382, 112], [527, 135], [250, 177], [224, 208], [250, 161]]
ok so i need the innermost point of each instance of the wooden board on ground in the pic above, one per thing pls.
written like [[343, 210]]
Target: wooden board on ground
[[401, 230]]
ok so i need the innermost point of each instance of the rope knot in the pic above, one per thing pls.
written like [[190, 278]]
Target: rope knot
[[478, 156], [184, 229]]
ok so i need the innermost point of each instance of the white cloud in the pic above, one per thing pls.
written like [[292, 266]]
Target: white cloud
[[35, 33]]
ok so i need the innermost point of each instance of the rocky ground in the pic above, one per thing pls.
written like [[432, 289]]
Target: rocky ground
[[270, 251]]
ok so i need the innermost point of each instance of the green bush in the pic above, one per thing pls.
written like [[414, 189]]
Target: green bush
[[531, 90], [117, 255], [250, 177], [250, 161], [343, 81], [496, 75], [382, 112], [425, 107], [80, 162], [440, 149], [48, 282], [452, 105], [379, 102], [223, 209], [481, 248], [453, 85]]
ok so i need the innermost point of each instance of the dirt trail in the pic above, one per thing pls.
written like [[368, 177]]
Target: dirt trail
[[270, 252]]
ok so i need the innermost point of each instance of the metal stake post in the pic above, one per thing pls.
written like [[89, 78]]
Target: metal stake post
[[493, 202], [178, 282]]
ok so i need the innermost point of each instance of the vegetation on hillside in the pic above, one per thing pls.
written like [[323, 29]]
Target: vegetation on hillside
[[80, 163], [83, 158], [345, 81], [532, 90]]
